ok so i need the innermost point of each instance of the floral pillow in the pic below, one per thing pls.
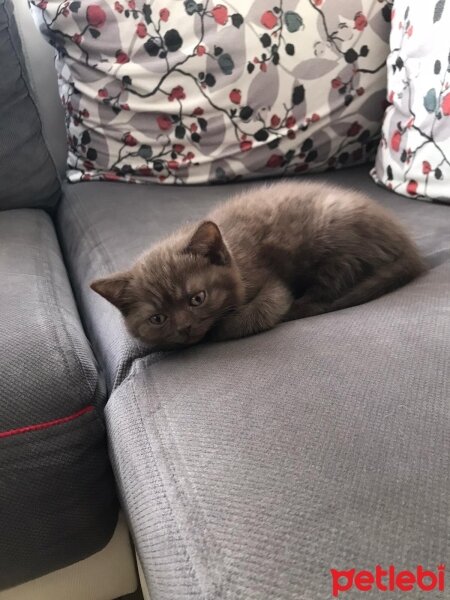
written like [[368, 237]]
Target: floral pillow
[[193, 92], [414, 153]]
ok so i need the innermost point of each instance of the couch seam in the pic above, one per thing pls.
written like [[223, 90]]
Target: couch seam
[[214, 584], [76, 424], [51, 291], [174, 520], [209, 539], [46, 424]]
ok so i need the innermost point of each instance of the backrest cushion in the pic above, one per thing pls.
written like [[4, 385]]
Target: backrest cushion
[[40, 61], [27, 173], [414, 154], [191, 92]]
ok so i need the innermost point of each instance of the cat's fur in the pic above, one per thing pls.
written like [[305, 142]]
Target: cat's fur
[[277, 253]]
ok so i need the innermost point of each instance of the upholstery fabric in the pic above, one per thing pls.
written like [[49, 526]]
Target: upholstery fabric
[[105, 574], [57, 496], [251, 468], [414, 153], [191, 92], [105, 226], [40, 61], [27, 172], [40, 332]]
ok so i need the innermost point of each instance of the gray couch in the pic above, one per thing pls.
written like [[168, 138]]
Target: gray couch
[[245, 469]]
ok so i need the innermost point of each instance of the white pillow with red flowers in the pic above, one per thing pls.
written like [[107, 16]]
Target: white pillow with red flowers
[[414, 153], [199, 91]]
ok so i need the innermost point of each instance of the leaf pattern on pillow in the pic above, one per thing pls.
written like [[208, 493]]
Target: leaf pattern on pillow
[[414, 154], [194, 92]]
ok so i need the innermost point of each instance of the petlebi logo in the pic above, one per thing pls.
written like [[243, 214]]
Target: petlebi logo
[[388, 579]]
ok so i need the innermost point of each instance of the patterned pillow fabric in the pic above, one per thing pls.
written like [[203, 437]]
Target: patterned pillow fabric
[[194, 92], [414, 153]]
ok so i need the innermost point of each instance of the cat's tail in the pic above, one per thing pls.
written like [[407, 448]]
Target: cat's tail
[[386, 278]]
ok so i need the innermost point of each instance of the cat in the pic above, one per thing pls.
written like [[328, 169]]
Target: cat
[[275, 253]]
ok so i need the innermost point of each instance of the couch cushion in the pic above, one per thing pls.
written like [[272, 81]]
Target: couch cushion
[[57, 498], [105, 226], [251, 468], [40, 61], [27, 172]]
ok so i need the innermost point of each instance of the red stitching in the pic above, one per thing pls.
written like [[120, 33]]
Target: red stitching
[[46, 425]]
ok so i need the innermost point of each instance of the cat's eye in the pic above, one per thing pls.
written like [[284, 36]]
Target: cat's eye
[[157, 319], [197, 298]]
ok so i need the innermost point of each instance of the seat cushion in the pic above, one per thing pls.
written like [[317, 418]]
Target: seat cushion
[[105, 226], [27, 172], [249, 469], [57, 497]]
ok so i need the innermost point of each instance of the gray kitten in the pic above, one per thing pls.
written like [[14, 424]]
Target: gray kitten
[[276, 253]]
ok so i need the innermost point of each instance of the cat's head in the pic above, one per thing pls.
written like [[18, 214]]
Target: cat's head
[[174, 294]]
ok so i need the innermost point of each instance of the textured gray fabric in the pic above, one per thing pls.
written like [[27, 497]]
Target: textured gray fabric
[[48, 370], [249, 469], [58, 501], [27, 172], [56, 483], [105, 226], [40, 61]]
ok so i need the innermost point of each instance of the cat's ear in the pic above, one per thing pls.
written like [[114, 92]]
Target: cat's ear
[[114, 288], [207, 241]]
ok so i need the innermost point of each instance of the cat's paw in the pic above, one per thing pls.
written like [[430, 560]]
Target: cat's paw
[[216, 334], [227, 329]]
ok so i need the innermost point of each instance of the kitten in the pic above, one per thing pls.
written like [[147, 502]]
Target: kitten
[[273, 254]]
